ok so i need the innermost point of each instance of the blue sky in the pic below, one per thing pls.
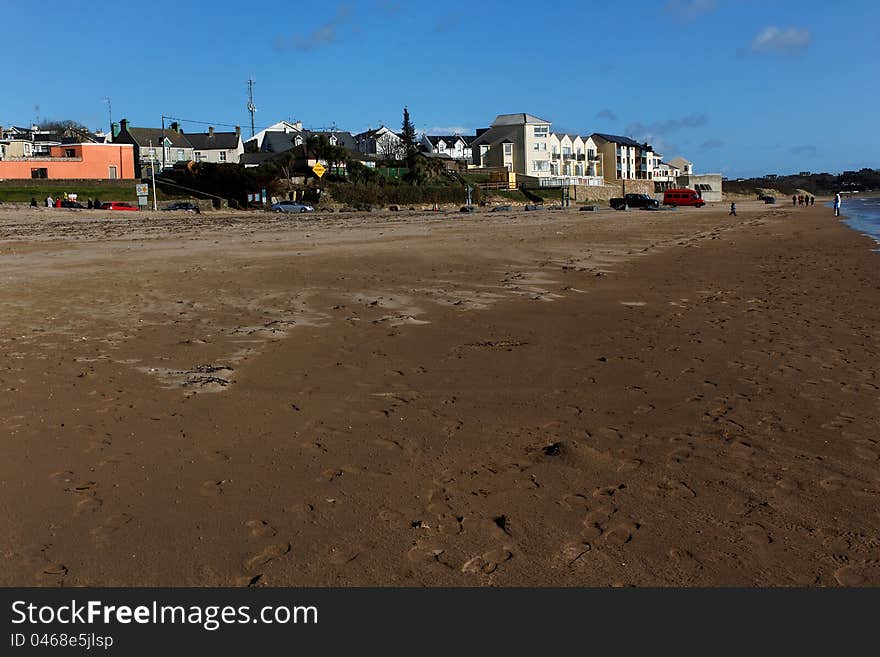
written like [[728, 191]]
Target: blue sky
[[742, 87]]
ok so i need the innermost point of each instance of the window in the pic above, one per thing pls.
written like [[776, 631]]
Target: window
[[180, 155], [69, 152], [152, 153], [540, 165], [508, 149], [39, 173], [537, 146], [222, 156], [541, 130], [198, 156], [566, 150], [111, 173]]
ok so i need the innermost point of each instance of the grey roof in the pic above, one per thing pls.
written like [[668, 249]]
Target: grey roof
[[617, 139], [496, 134], [449, 139], [516, 119], [47, 137], [143, 137], [276, 141], [203, 141], [343, 138], [371, 134], [679, 162]]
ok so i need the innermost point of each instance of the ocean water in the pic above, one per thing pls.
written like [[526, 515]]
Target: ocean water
[[863, 214]]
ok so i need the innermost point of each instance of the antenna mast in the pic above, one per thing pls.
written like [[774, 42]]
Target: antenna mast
[[251, 107]]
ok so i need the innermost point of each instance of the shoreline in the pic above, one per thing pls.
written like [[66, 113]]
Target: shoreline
[[634, 398]]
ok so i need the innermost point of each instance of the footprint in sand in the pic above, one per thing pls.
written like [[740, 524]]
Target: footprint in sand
[[675, 488], [429, 553], [214, 487], [344, 554], [849, 576], [574, 552], [268, 554], [261, 529], [52, 574], [103, 533], [756, 534], [488, 562], [621, 533]]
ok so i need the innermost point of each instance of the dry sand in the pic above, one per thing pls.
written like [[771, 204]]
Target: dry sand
[[552, 398]]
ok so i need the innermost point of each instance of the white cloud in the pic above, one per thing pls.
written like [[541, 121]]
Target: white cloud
[[323, 35], [773, 39], [450, 130]]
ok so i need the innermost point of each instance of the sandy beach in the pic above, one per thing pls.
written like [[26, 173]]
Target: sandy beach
[[543, 398]]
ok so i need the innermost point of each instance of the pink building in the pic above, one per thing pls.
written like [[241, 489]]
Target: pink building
[[74, 162]]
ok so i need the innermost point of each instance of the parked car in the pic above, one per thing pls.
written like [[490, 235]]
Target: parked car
[[113, 205], [769, 199], [682, 197], [72, 204], [500, 208], [634, 201], [291, 206], [534, 206], [182, 206], [467, 208]]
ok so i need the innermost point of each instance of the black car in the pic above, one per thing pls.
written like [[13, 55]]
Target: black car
[[501, 208], [182, 206], [72, 204], [769, 199]]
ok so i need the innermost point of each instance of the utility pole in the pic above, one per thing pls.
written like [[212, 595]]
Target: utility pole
[[110, 113], [250, 106], [153, 175], [163, 142]]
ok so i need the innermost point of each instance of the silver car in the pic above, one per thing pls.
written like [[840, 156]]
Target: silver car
[[291, 206]]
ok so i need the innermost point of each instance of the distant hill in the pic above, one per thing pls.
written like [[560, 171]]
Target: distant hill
[[818, 184]]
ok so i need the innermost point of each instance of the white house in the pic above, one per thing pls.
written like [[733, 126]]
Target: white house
[[217, 147], [456, 147], [255, 143], [381, 141]]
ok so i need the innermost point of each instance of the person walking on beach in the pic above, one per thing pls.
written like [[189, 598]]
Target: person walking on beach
[[837, 203], [50, 202], [33, 202], [812, 200], [732, 209], [794, 200]]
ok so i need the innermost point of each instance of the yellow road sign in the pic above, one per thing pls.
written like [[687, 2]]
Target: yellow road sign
[[319, 169]]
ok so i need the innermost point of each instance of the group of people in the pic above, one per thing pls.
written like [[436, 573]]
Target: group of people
[[803, 200], [57, 202]]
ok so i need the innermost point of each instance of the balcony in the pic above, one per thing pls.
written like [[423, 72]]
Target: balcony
[[581, 157], [554, 156], [567, 156], [593, 158]]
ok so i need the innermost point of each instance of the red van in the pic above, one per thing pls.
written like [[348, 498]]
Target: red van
[[682, 197]]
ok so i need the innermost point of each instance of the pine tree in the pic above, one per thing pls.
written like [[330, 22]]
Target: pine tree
[[408, 136]]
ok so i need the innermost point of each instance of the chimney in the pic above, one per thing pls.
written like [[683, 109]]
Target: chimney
[[175, 126], [238, 130], [123, 125], [114, 131], [210, 132]]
